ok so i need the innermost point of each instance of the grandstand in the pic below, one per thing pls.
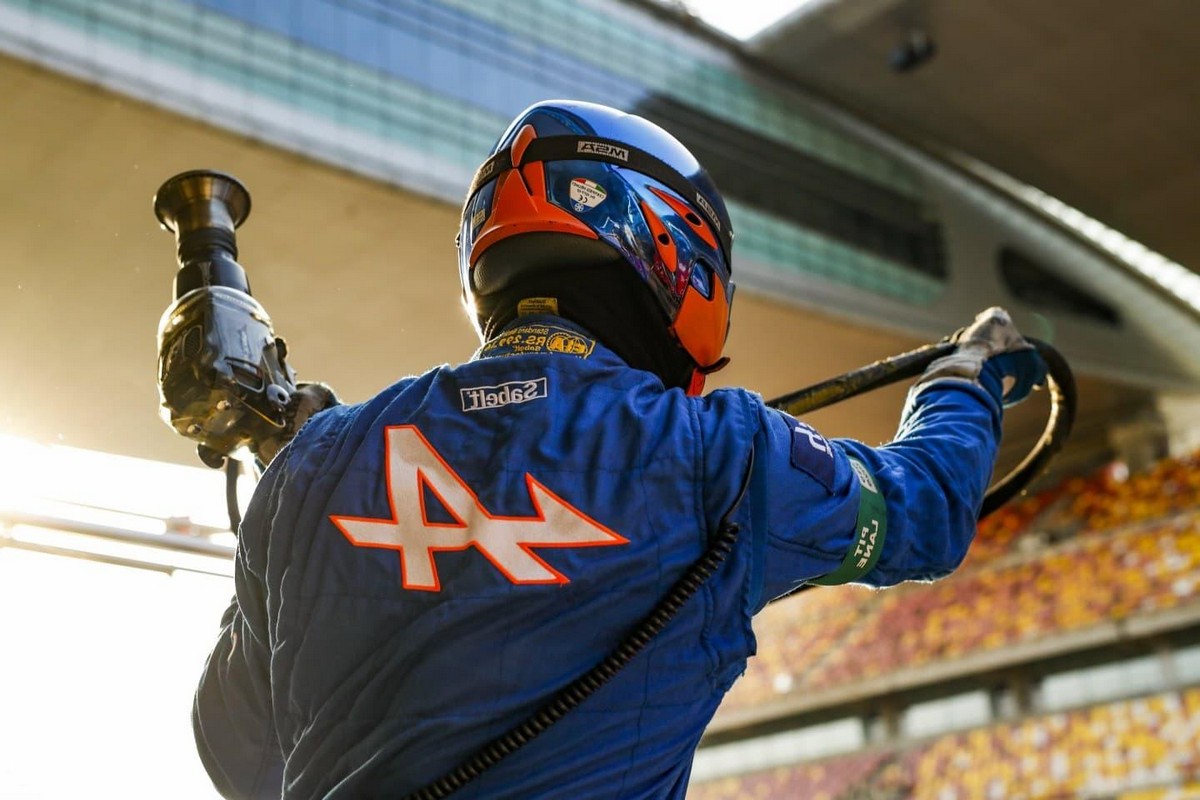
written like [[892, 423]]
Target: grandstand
[[891, 167], [1143, 748], [1062, 660]]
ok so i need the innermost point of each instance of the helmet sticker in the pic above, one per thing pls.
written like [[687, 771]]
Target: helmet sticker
[[477, 218], [567, 168], [586, 194]]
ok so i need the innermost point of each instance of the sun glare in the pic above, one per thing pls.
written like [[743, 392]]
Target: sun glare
[[100, 663], [746, 19], [100, 660]]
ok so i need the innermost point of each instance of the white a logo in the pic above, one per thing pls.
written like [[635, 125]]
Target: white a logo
[[413, 467]]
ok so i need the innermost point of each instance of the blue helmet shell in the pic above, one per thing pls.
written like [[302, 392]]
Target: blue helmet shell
[[674, 236]]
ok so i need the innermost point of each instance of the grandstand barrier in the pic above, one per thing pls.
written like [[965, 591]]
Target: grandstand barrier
[[1144, 748], [168, 551]]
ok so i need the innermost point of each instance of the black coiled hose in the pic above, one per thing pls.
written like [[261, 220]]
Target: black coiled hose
[[1060, 383], [233, 469], [585, 686]]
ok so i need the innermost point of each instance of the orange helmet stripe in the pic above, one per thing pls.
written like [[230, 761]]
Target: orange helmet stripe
[[690, 216], [520, 204], [663, 241], [524, 137], [702, 324]]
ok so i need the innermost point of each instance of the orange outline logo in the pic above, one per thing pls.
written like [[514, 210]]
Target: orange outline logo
[[508, 542]]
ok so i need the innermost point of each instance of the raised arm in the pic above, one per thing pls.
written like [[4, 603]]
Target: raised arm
[[839, 511]]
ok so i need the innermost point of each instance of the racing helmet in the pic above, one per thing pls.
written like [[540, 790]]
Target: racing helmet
[[572, 186]]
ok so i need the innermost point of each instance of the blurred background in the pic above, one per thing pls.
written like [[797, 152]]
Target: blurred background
[[891, 166]]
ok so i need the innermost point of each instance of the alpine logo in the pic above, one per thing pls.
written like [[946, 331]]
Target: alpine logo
[[864, 477], [708, 209], [478, 398], [417, 474], [603, 149]]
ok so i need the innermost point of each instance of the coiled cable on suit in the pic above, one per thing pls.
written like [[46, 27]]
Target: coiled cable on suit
[[586, 685]]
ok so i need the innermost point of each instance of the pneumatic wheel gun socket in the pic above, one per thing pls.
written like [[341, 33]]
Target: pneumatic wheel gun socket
[[223, 379]]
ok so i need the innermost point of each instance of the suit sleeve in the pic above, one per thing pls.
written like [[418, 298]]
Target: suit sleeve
[[231, 716], [905, 511]]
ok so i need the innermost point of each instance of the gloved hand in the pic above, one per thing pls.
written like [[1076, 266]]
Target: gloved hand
[[308, 399], [992, 353]]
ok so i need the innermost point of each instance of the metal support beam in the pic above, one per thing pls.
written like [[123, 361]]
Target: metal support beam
[[168, 542]]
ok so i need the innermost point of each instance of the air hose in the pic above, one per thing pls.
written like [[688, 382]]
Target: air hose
[[583, 687], [1061, 385]]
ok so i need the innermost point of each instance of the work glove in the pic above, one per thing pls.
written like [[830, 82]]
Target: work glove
[[993, 354], [307, 400]]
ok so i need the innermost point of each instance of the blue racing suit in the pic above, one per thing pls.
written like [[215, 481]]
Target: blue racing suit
[[417, 574]]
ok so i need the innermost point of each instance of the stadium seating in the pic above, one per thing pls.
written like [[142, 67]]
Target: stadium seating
[[1141, 749], [824, 780], [998, 532], [1095, 752], [1112, 498], [1140, 554], [1084, 583], [1184, 792], [794, 635]]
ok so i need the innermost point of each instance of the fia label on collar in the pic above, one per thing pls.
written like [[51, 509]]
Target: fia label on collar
[[538, 338]]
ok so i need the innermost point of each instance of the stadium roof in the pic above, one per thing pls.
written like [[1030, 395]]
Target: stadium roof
[[1093, 104], [359, 303]]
